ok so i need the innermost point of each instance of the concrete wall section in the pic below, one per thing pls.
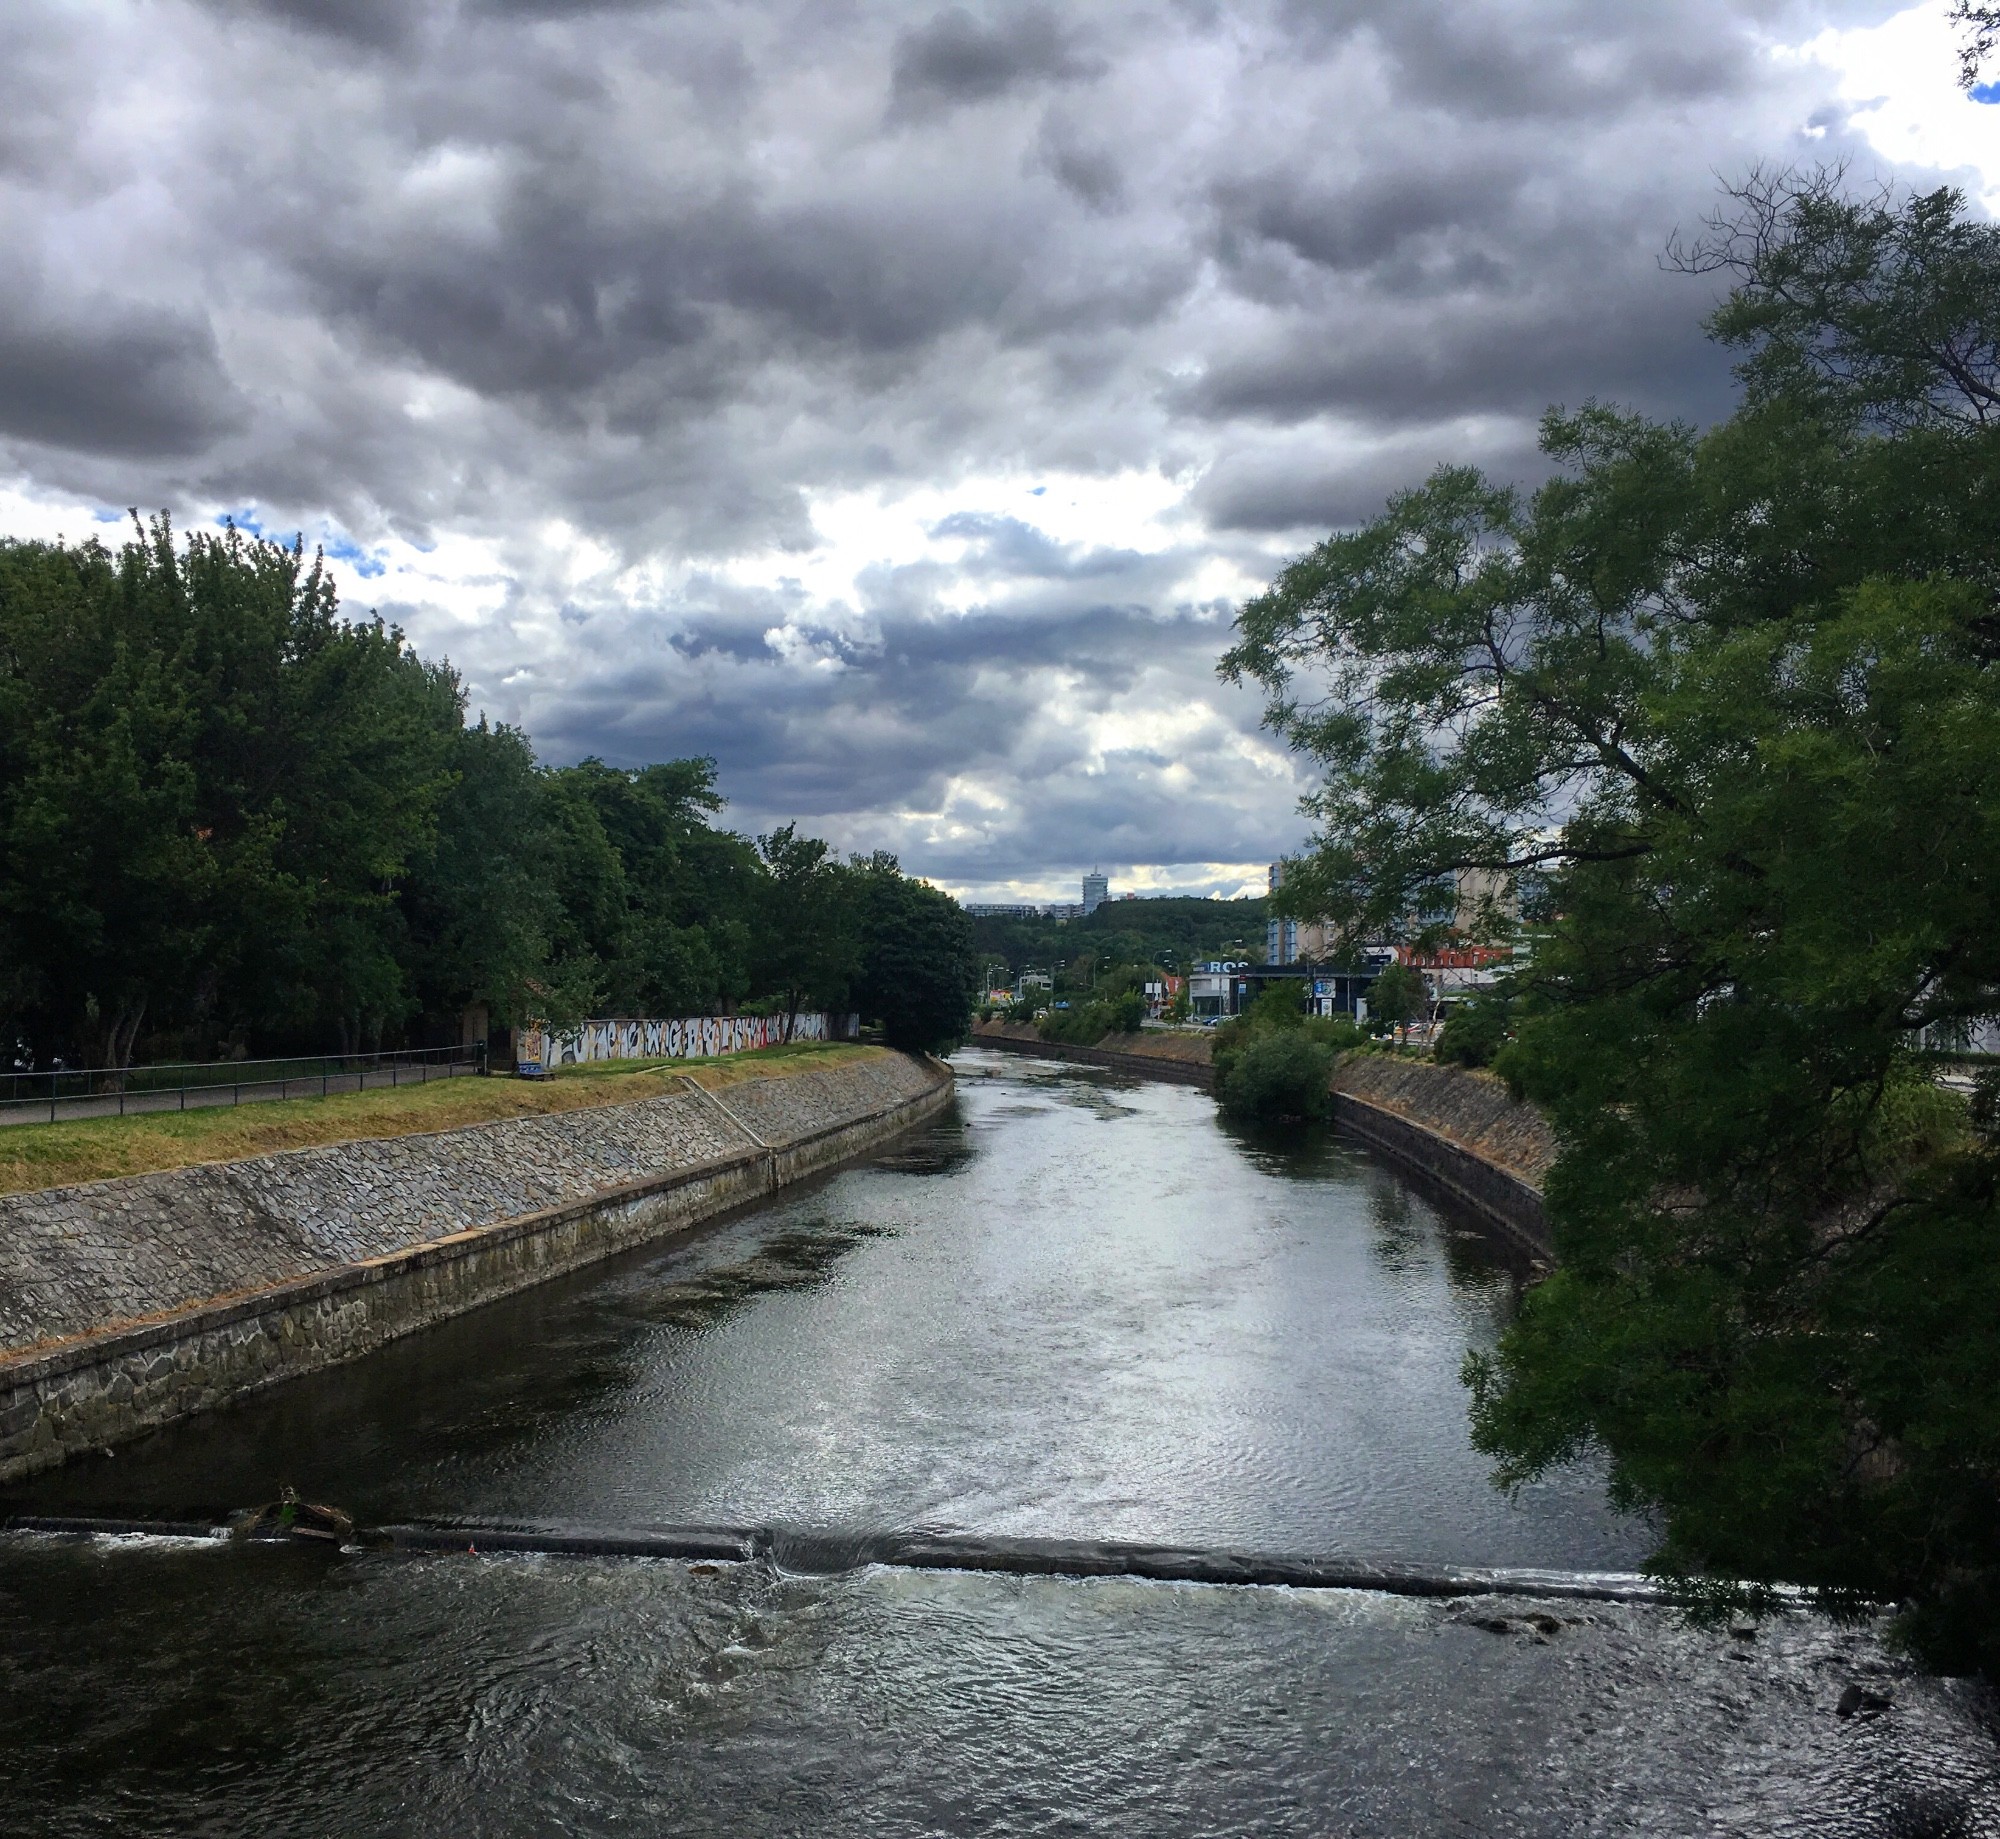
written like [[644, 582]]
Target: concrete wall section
[[1460, 1130], [440, 1224], [1182, 1059], [1474, 1109]]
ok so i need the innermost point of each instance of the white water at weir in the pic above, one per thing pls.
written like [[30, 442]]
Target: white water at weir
[[1080, 1310]]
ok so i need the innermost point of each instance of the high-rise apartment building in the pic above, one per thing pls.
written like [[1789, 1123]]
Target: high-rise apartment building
[[1281, 936], [1096, 891]]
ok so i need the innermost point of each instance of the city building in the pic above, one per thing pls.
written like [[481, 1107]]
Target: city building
[[1096, 891], [1212, 989], [987, 909], [1281, 934], [1287, 940]]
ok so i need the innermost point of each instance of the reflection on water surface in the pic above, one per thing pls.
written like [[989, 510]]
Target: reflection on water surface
[[1078, 1308]]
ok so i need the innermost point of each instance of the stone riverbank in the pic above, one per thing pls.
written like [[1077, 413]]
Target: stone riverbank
[[127, 1304]]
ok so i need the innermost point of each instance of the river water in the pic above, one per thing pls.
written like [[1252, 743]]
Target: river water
[[1078, 1307]]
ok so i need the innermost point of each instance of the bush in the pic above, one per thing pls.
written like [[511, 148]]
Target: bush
[[1086, 1026], [1337, 1033], [1279, 1076], [1475, 1031]]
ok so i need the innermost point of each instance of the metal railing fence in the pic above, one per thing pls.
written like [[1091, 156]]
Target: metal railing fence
[[50, 1094]]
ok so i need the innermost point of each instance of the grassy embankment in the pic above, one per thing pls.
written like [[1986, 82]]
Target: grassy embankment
[[91, 1149]]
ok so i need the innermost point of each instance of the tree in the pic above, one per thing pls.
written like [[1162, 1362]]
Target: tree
[[209, 786], [1725, 707], [480, 907], [1397, 995], [1284, 1075], [229, 813], [1981, 39], [807, 943], [919, 972], [668, 927]]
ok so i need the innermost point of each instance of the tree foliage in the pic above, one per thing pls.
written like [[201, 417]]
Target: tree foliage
[[1724, 707], [230, 817], [1284, 1076], [1982, 38], [918, 971]]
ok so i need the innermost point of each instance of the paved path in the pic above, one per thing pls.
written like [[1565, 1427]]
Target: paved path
[[251, 1091]]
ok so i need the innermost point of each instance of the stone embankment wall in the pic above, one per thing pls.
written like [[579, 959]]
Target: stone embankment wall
[[1182, 1058], [1456, 1129], [126, 1304], [1460, 1130]]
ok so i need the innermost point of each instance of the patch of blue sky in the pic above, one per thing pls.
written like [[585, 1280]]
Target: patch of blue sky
[[104, 515], [1986, 92], [345, 549], [244, 517]]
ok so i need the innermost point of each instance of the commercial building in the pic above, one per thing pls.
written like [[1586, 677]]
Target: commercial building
[[1213, 990], [1224, 988], [1096, 891]]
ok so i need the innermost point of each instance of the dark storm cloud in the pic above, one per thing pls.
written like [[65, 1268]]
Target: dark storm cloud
[[795, 740], [377, 24], [617, 298], [1284, 490], [113, 379], [958, 57]]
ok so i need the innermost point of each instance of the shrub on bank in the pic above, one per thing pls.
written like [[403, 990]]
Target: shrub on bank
[[1279, 1077], [1476, 1031], [1086, 1026]]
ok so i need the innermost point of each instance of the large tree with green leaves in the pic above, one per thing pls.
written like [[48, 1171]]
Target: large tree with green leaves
[[918, 973], [231, 817], [1724, 709], [209, 787], [806, 950]]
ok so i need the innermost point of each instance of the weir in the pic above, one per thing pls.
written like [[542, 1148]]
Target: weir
[[820, 1552]]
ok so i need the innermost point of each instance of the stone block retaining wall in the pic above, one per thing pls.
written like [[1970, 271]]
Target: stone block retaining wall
[[1181, 1058], [1474, 1109], [126, 1304]]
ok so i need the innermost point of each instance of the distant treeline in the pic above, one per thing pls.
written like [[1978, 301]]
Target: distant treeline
[[232, 820], [1172, 931]]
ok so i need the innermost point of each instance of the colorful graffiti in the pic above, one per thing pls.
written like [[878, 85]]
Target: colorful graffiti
[[542, 1050]]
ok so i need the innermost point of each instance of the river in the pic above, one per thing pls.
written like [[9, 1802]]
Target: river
[[1079, 1306]]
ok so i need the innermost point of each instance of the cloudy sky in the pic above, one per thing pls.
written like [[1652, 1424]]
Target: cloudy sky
[[891, 400]]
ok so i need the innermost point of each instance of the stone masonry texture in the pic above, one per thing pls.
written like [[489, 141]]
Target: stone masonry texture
[[74, 1261], [127, 1304], [1473, 1109]]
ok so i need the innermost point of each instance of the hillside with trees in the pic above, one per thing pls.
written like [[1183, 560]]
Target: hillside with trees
[[1172, 931], [233, 820]]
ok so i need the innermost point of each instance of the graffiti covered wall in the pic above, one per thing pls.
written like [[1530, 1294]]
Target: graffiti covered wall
[[683, 1038]]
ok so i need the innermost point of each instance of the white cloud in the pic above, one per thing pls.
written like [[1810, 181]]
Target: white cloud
[[1900, 80]]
